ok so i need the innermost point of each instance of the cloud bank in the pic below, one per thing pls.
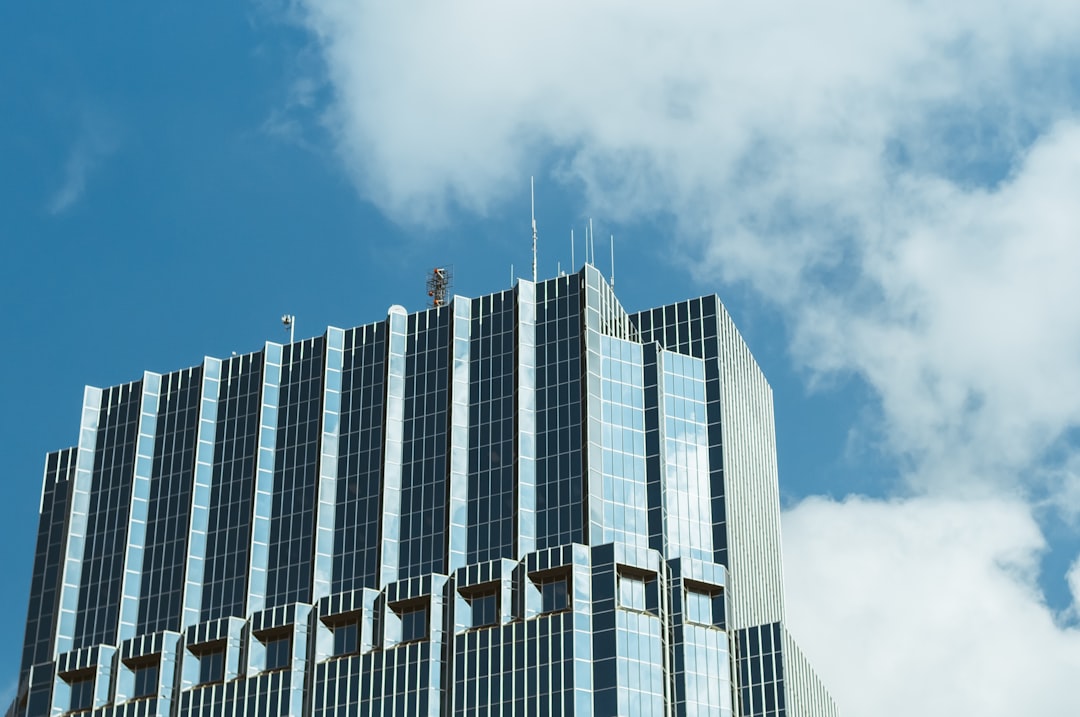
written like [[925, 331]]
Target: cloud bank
[[899, 179], [928, 607]]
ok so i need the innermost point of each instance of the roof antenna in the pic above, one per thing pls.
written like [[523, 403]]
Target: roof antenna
[[592, 242], [511, 275], [438, 285], [532, 199], [573, 263], [289, 322], [613, 262]]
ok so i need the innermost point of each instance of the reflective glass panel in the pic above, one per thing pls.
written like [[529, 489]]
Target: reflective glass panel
[[146, 680], [82, 693], [554, 594], [485, 609], [414, 624], [346, 639], [212, 666], [277, 652]]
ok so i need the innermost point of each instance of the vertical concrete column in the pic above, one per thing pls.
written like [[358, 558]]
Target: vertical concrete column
[[526, 419], [326, 490], [200, 491], [77, 520], [390, 524], [140, 506], [458, 511], [262, 505]]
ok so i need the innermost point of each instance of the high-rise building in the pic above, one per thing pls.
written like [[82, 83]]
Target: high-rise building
[[529, 503]]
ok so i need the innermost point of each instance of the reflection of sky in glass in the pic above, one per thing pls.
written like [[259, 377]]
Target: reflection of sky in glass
[[640, 664], [705, 669], [622, 441], [686, 464]]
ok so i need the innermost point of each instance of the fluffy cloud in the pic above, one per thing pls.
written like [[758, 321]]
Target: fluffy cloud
[[942, 597], [974, 345], [899, 179]]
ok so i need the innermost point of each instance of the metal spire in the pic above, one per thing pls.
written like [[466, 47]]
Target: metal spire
[[612, 261], [532, 198], [592, 242]]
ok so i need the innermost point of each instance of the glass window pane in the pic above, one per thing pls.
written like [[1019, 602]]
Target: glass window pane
[[146, 680], [82, 693], [346, 639], [699, 607], [414, 624], [278, 651], [554, 593], [485, 609], [632, 592], [212, 666]]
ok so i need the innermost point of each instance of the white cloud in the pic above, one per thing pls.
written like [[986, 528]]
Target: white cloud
[[900, 179], [975, 347], [96, 141], [929, 607]]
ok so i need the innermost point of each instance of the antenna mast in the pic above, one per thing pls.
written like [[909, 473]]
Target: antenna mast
[[438, 284], [592, 242], [573, 262], [532, 199], [289, 322], [612, 261]]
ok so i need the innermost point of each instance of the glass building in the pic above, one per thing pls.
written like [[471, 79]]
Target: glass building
[[528, 503]]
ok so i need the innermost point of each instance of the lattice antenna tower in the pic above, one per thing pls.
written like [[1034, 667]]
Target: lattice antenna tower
[[438, 285]]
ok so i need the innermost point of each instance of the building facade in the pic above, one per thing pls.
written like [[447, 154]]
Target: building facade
[[528, 503]]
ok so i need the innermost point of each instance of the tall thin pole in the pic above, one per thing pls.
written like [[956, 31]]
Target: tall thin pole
[[592, 242], [612, 261], [573, 262], [532, 198]]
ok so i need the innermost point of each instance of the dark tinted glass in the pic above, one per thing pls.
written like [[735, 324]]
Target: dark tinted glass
[[277, 652], [212, 666], [82, 694], [485, 609], [554, 594], [346, 639], [146, 680], [414, 624]]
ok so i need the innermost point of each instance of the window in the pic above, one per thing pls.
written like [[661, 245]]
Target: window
[[278, 651], [413, 623], [82, 691], [346, 638], [639, 591], [632, 592], [554, 595], [704, 606], [146, 679], [485, 608], [212, 664]]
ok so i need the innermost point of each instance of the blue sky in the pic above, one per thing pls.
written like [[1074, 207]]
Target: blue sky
[[883, 195]]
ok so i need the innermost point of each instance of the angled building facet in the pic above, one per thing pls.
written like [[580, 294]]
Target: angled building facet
[[528, 503]]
